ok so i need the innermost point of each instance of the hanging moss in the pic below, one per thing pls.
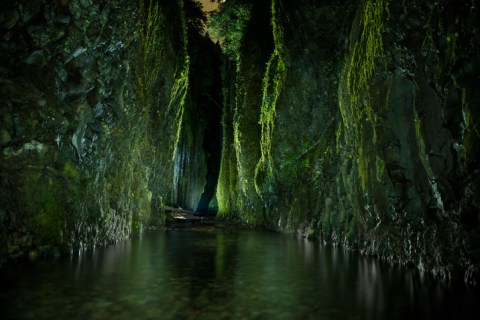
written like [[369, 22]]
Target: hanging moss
[[362, 64], [222, 192], [151, 47], [153, 44], [354, 102], [272, 86], [241, 148], [229, 25], [180, 86]]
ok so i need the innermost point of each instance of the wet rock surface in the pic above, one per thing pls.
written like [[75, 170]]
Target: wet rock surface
[[373, 130], [85, 158], [57, 69]]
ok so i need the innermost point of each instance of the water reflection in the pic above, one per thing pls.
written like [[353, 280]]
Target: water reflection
[[219, 275]]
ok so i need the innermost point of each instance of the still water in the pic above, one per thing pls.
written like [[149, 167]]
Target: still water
[[208, 274]]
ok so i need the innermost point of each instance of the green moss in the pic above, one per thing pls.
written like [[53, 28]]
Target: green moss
[[366, 50], [232, 179], [44, 197], [180, 87], [153, 44], [227, 164], [70, 171], [421, 147], [363, 166], [355, 106], [451, 40], [222, 192], [380, 166], [311, 232], [227, 182], [50, 219], [426, 161], [149, 58], [338, 136], [272, 85], [434, 28]]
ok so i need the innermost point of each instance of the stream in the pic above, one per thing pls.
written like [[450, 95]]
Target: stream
[[222, 274]]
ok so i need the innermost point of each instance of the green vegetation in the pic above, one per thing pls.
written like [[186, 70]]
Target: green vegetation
[[133, 182], [153, 44], [70, 171], [228, 26], [273, 81], [227, 180], [354, 101], [361, 66], [150, 55], [223, 187], [180, 87], [44, 196]]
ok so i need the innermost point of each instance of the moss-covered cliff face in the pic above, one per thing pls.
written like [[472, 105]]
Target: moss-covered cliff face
[[406, 121], [357, 122], [282, 111], [243, 74], [93, 99]]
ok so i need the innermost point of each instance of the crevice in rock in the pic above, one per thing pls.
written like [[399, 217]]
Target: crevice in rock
[[212, 134]]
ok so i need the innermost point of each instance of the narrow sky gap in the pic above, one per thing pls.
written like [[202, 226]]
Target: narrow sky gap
[[209, 6]]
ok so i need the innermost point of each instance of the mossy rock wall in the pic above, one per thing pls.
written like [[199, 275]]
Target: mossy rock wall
[[404, 124], [370, 140], [236, 193], [92, 102], [281, 113]]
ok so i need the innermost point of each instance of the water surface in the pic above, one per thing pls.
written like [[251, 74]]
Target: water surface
[[208, 274]]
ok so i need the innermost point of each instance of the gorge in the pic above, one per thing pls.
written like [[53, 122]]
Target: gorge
[[355, 124]]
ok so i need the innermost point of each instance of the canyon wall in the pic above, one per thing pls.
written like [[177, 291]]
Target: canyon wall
[[357, 123], [93, 102]]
